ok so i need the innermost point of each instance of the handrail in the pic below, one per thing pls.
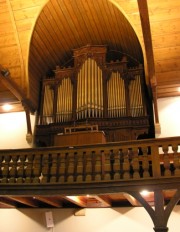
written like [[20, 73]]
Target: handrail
[[118, 161]]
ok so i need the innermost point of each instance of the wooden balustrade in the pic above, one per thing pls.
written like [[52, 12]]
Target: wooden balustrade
[[131, 160]]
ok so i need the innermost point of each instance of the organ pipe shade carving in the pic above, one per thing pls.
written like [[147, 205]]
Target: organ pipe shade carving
[[89, 90], [48, 104], [116, 96], [64, 101], [135, 94]]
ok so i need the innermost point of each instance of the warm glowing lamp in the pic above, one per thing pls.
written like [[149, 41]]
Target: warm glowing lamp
[[7, 107]]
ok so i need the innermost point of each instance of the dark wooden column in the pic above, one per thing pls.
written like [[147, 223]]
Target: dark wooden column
[[159, 215]]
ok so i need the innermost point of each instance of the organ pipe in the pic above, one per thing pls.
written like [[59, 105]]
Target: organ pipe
[[48, 105], [116, 96], [136, 102], [89, 89], [64, 101]]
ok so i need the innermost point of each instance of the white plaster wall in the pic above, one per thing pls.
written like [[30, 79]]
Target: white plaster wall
[[169, 116], [95, 220], [13, 130]]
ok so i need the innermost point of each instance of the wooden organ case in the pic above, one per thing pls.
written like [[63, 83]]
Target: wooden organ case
[[94, 92]]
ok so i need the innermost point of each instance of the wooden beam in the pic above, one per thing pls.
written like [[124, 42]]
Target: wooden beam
[[8, 203], [132, 200], [8, 82], [53, 201], [144, 16], [28, 201], [77, 200]]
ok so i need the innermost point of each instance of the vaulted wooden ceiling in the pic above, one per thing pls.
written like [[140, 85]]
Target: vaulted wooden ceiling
[[35, 36]]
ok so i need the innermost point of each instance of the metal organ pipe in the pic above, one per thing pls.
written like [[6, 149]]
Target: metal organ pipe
[[64, 101], [136, 103], [48, 105], [89, 89], [116, 96]]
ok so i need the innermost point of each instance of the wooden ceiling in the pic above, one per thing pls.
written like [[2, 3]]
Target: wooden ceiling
[[36, 36], [81, 201]]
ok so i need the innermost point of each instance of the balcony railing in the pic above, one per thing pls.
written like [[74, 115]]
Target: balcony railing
[[132, 160]]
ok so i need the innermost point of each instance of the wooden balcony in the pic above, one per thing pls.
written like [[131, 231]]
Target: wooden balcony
[[101, 175]]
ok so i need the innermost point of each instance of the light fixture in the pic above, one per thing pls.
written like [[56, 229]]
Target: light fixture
[[7, 107], [144, 193]]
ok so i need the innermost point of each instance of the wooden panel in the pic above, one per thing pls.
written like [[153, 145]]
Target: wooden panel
[[24, 25], [170, 77], [20, 4], [166, 53], [7, 40], [168, 90], [26, 13], [167, 65], [79, 138], [166, 40]]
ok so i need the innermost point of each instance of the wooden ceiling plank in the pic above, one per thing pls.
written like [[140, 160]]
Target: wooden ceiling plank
[[107, 24], [7, 202], [65, 31], [90, 22], [52, 25], [105, 202], [26, 201], [102, 22], [98, 18], [83, 28], [47, 39], [53, 201], [38, 54], [73, 23], [76, 200], [166, 27], [131, 200], [62, 35]]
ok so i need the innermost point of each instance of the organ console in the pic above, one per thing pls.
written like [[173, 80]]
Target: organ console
[[107, 94]]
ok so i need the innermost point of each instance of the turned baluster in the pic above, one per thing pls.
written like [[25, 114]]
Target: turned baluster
[[5, 169], [45, 168], [21, 168], [116, 165], [107, 166], [37, 168], [166, 161], [29, 168], [54, 168], [97, 165], [126, 165], [1, 159], [79, 166], [61, 168], [135, 164], [13, 169], [176, 160], [89, 166], [70, 167], [145, 163]]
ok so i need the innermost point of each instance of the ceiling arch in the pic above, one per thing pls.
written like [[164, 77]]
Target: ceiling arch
[[66, 25]]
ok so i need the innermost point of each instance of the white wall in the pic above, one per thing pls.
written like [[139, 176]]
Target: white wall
[[13, 130], [169, 116], [96, 220]]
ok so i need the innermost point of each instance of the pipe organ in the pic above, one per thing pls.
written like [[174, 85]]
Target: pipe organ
[[94, 91]]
